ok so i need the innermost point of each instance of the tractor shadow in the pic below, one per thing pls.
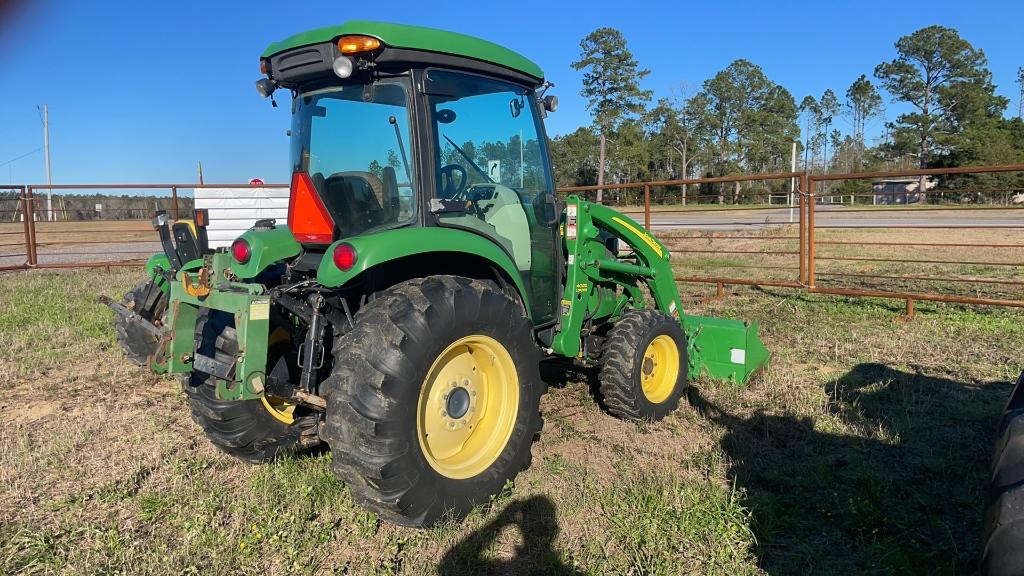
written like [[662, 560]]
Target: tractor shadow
[[891, 482], [558, 373], [534, 518]]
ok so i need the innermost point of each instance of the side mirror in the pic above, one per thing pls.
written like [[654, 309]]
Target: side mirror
[[551, 103]]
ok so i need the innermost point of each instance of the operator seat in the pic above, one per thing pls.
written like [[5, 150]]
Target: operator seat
[[506, 213], [353, 200]]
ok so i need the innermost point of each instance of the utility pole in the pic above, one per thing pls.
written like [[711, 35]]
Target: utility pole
[[46, 151]]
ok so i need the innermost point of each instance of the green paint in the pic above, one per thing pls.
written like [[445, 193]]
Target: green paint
[[414, 38], [593, 268], [239, 299], [375, 249], [728, 350], [164, 263], [268, 248], [723, 349]]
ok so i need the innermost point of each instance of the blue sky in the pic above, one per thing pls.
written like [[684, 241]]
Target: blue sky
[[141, 91]]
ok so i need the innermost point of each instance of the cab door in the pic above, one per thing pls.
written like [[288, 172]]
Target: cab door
[[491, 160]]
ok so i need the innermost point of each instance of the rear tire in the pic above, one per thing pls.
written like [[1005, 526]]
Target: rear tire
[[433, 402], [643, 366], [251, 430], [138, 344]]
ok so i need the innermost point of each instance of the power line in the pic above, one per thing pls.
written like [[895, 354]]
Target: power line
[[13, 160]]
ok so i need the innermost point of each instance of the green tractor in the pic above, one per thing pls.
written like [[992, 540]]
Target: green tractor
[[425, 271]]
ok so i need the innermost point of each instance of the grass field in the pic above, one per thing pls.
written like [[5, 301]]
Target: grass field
[[862, 449]]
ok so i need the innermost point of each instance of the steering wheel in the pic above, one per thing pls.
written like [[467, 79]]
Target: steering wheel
[[448, 186]]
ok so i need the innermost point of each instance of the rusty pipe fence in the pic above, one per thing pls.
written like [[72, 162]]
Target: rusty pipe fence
[[887, 251], [980, 248], [35, 233], [722, 231], [716, 229]]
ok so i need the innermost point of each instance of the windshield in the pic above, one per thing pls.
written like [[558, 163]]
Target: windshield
[[353, 142]]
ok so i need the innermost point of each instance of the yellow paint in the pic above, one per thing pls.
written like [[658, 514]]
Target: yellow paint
[[659, 369], [643, 235], [461, 446], [191, 226], [199, 290], [280, 409]]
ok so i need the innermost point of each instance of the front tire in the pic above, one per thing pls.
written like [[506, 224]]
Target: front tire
[[433, 403], [643, 366]]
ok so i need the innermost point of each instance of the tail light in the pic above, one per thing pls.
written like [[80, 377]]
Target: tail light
[[344, 257], [308, 218], [241, 251]]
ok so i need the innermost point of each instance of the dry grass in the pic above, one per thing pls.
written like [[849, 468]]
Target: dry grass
[[862, 449]]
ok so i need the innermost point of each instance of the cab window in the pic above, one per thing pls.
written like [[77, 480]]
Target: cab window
[[492, 165]]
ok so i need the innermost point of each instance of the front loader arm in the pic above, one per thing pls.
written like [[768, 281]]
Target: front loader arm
[[724, 349], [590, 268]]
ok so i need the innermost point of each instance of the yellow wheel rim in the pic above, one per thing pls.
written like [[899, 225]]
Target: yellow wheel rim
[[279, 408], [467, 407], [659, 369]]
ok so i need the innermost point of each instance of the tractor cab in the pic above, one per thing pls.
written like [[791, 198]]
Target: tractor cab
[[388, 133]]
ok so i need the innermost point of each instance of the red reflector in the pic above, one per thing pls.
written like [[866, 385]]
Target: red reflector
[[308, 218], [344, 257], [241, 251]]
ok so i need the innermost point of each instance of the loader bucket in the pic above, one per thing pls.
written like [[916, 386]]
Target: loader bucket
[[728, 350]]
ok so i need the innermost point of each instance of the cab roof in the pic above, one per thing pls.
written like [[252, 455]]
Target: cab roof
[[414, 38]]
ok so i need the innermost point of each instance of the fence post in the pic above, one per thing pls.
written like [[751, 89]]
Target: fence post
[[25, 215], [174, 201], [647, 206], [810, 233], [30, 226], [803, 228]]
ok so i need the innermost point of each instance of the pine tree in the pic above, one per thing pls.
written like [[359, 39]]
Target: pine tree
[[611, 84]]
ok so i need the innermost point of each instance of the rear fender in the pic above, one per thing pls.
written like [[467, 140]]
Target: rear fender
[[375, 249], [267, 247]]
